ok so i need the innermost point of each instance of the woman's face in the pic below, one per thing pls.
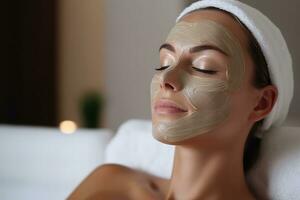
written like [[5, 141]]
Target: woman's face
[[203, 84]]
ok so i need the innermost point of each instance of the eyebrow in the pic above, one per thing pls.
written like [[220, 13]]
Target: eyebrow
[[207, 47], [167, 46], [195, 49]]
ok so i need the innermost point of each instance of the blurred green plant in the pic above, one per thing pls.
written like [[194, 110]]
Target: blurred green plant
[[91, 108]]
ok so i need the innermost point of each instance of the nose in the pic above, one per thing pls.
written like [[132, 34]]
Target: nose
[[172, 80]]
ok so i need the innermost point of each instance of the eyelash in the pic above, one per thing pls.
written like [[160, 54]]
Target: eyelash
[[211, 72], [162, 68]]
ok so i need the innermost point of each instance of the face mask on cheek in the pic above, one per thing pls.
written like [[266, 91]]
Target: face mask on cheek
[[209, 97]]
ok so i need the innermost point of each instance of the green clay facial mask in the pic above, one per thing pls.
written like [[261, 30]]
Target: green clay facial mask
[[209, 97]]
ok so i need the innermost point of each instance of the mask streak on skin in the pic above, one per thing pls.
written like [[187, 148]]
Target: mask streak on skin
[[209, 97]]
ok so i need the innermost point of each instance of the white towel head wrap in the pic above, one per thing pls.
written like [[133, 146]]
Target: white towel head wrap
[[273, 46]]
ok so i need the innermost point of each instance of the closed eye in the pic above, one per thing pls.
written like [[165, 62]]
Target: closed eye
[[162, 68], [205, 71]]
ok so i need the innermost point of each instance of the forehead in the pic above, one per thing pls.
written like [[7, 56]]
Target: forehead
[[222, 18]]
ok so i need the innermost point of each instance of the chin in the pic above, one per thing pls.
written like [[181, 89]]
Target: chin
[[192, 139], [159, 137]]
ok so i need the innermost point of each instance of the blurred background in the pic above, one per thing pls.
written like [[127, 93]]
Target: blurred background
[[86, 64], [69, 59]]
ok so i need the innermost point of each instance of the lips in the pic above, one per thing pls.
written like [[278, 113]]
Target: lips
[[165, 106]]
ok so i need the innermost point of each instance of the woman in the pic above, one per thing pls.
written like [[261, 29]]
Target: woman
[[209, 97]]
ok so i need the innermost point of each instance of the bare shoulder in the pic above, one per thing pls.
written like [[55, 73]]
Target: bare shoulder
[[112, 181]]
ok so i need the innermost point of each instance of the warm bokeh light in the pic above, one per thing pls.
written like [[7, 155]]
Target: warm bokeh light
[[67, 127]]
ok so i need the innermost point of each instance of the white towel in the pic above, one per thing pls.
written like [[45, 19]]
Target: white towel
[[276, 175], [134, 146], [273, 46]]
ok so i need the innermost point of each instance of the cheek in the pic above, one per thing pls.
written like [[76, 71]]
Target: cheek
[[243, 98], [154, 87], [242, 105], [206, 93]]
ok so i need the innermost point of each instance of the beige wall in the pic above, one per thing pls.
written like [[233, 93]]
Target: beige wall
[[80, 45], [134, 30]]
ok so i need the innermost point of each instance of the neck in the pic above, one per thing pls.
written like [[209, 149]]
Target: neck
[[205, 172]]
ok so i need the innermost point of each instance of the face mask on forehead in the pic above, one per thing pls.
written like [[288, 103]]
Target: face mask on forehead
[[209, 97]]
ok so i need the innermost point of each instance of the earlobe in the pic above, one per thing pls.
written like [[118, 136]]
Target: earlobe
[[265, 103]]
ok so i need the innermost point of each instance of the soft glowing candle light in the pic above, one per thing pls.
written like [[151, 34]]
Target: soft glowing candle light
[[67, 127]]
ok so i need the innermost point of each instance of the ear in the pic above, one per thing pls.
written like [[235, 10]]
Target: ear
[[266, 101]]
